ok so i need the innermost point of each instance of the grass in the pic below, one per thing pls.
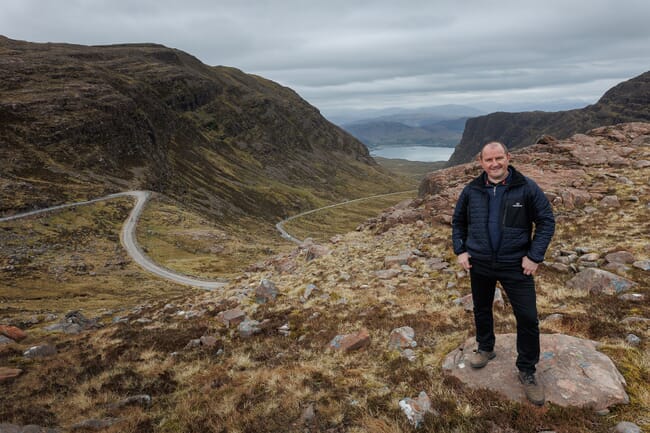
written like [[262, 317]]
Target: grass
[[265, 383]]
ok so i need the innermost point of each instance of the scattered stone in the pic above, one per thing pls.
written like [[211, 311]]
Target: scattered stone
[[416, 409], [315, 251], [571, 370], [402, 338], [12, 332], [597, 281], [404, 258], [143, 400], [498, 298], [248, 328], [632, 340], [208, 341], [349, 342], [5, 340], [265, 292], [311, 288], [387, 274], [626, 427], [285, 330], [95, 424], [642, 264], [623, 257], [467, 302], [308, 415], [610, 201], [560, 267], [632, 297], [40, 351], [436, 264], [552, 318], [583, 250], [409, 354], [232, 317], [634, 319], [74, 323], [7, 373], [589, 257]]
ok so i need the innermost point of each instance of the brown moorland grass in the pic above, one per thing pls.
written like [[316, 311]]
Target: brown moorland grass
[[266, 382]]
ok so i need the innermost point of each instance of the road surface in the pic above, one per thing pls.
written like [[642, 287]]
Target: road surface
[[128, 239]]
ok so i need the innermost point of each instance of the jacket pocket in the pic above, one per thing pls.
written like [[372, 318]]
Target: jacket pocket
[[515, 214]]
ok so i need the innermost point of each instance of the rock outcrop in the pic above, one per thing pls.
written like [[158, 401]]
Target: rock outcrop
[[571, 370], [627, 102]]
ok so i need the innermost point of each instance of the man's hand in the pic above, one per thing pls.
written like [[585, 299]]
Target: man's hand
[[529, 266], [463, 260]]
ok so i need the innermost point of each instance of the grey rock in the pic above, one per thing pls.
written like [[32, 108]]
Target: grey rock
[[596, 281], [5, 340], [632, 340], [143, 400], [416, 409], [248, 328], [40, 351], [632, 297], [311, 288], [265, 292], [571, 370], [642, 264], [634, 319], [95, 424], [626, 427]]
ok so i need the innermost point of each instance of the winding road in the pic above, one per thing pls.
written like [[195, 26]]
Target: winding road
[[287, 236], [128, 237]]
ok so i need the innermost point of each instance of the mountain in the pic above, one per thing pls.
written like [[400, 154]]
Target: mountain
[[77, 121], [628, 101], [408, 116], [387, 133], [439, 126]]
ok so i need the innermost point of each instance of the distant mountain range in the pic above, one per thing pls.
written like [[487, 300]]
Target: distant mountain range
[[80, 121], [434, 126], [628, 101]]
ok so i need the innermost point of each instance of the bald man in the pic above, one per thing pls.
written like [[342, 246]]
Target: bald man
[[492, 233]]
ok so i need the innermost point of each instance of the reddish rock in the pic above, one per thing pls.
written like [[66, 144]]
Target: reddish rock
[[387, 274], [416, 409], [12, 332], [596, 281], [7, 373], [620, 257], [349, 342], [610, 201], [403, 258], [232, 317], [208, 341], [265, 292], [315, 251], [571, 370], [402, 338]]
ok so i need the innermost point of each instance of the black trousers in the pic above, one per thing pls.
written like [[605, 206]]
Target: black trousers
[[520, 290]]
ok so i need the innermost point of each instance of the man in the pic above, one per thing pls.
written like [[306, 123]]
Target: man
[[493, 239]]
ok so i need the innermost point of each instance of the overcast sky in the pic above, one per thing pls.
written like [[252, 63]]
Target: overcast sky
[[347, 54]]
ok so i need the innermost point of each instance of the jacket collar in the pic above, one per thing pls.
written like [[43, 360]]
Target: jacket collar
[[516, 178]]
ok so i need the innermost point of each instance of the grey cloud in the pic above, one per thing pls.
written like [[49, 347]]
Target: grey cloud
[[374, 53]]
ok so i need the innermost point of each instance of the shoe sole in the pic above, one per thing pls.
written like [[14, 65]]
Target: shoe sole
[[483, 364]]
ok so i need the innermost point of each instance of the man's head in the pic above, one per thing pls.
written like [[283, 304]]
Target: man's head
[[494, 158]]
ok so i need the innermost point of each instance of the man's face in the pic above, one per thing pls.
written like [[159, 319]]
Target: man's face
[[494, 161]]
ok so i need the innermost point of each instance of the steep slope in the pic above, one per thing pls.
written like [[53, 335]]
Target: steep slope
[[626, 102], [76, 121]]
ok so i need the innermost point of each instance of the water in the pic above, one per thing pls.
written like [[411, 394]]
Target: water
[[413, 153]]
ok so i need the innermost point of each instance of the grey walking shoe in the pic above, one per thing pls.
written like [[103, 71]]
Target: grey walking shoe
[[479, 358], [533, 390]]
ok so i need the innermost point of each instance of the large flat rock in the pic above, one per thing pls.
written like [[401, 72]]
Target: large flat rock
[[572, 371]]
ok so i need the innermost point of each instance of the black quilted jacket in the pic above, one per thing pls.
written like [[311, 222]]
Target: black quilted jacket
[[524, 206]]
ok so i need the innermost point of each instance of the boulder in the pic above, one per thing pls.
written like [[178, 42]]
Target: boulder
[[571, 370], [610, 201], [596, 281], [626, 427], [402, 338], [624, 257], [7, 373], [265, 292], [416, 408], [40, 351], [349, 342], [232, 317], [12, 332]]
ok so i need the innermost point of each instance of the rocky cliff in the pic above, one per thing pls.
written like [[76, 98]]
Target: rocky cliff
[[627, 102], [76, 121]]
